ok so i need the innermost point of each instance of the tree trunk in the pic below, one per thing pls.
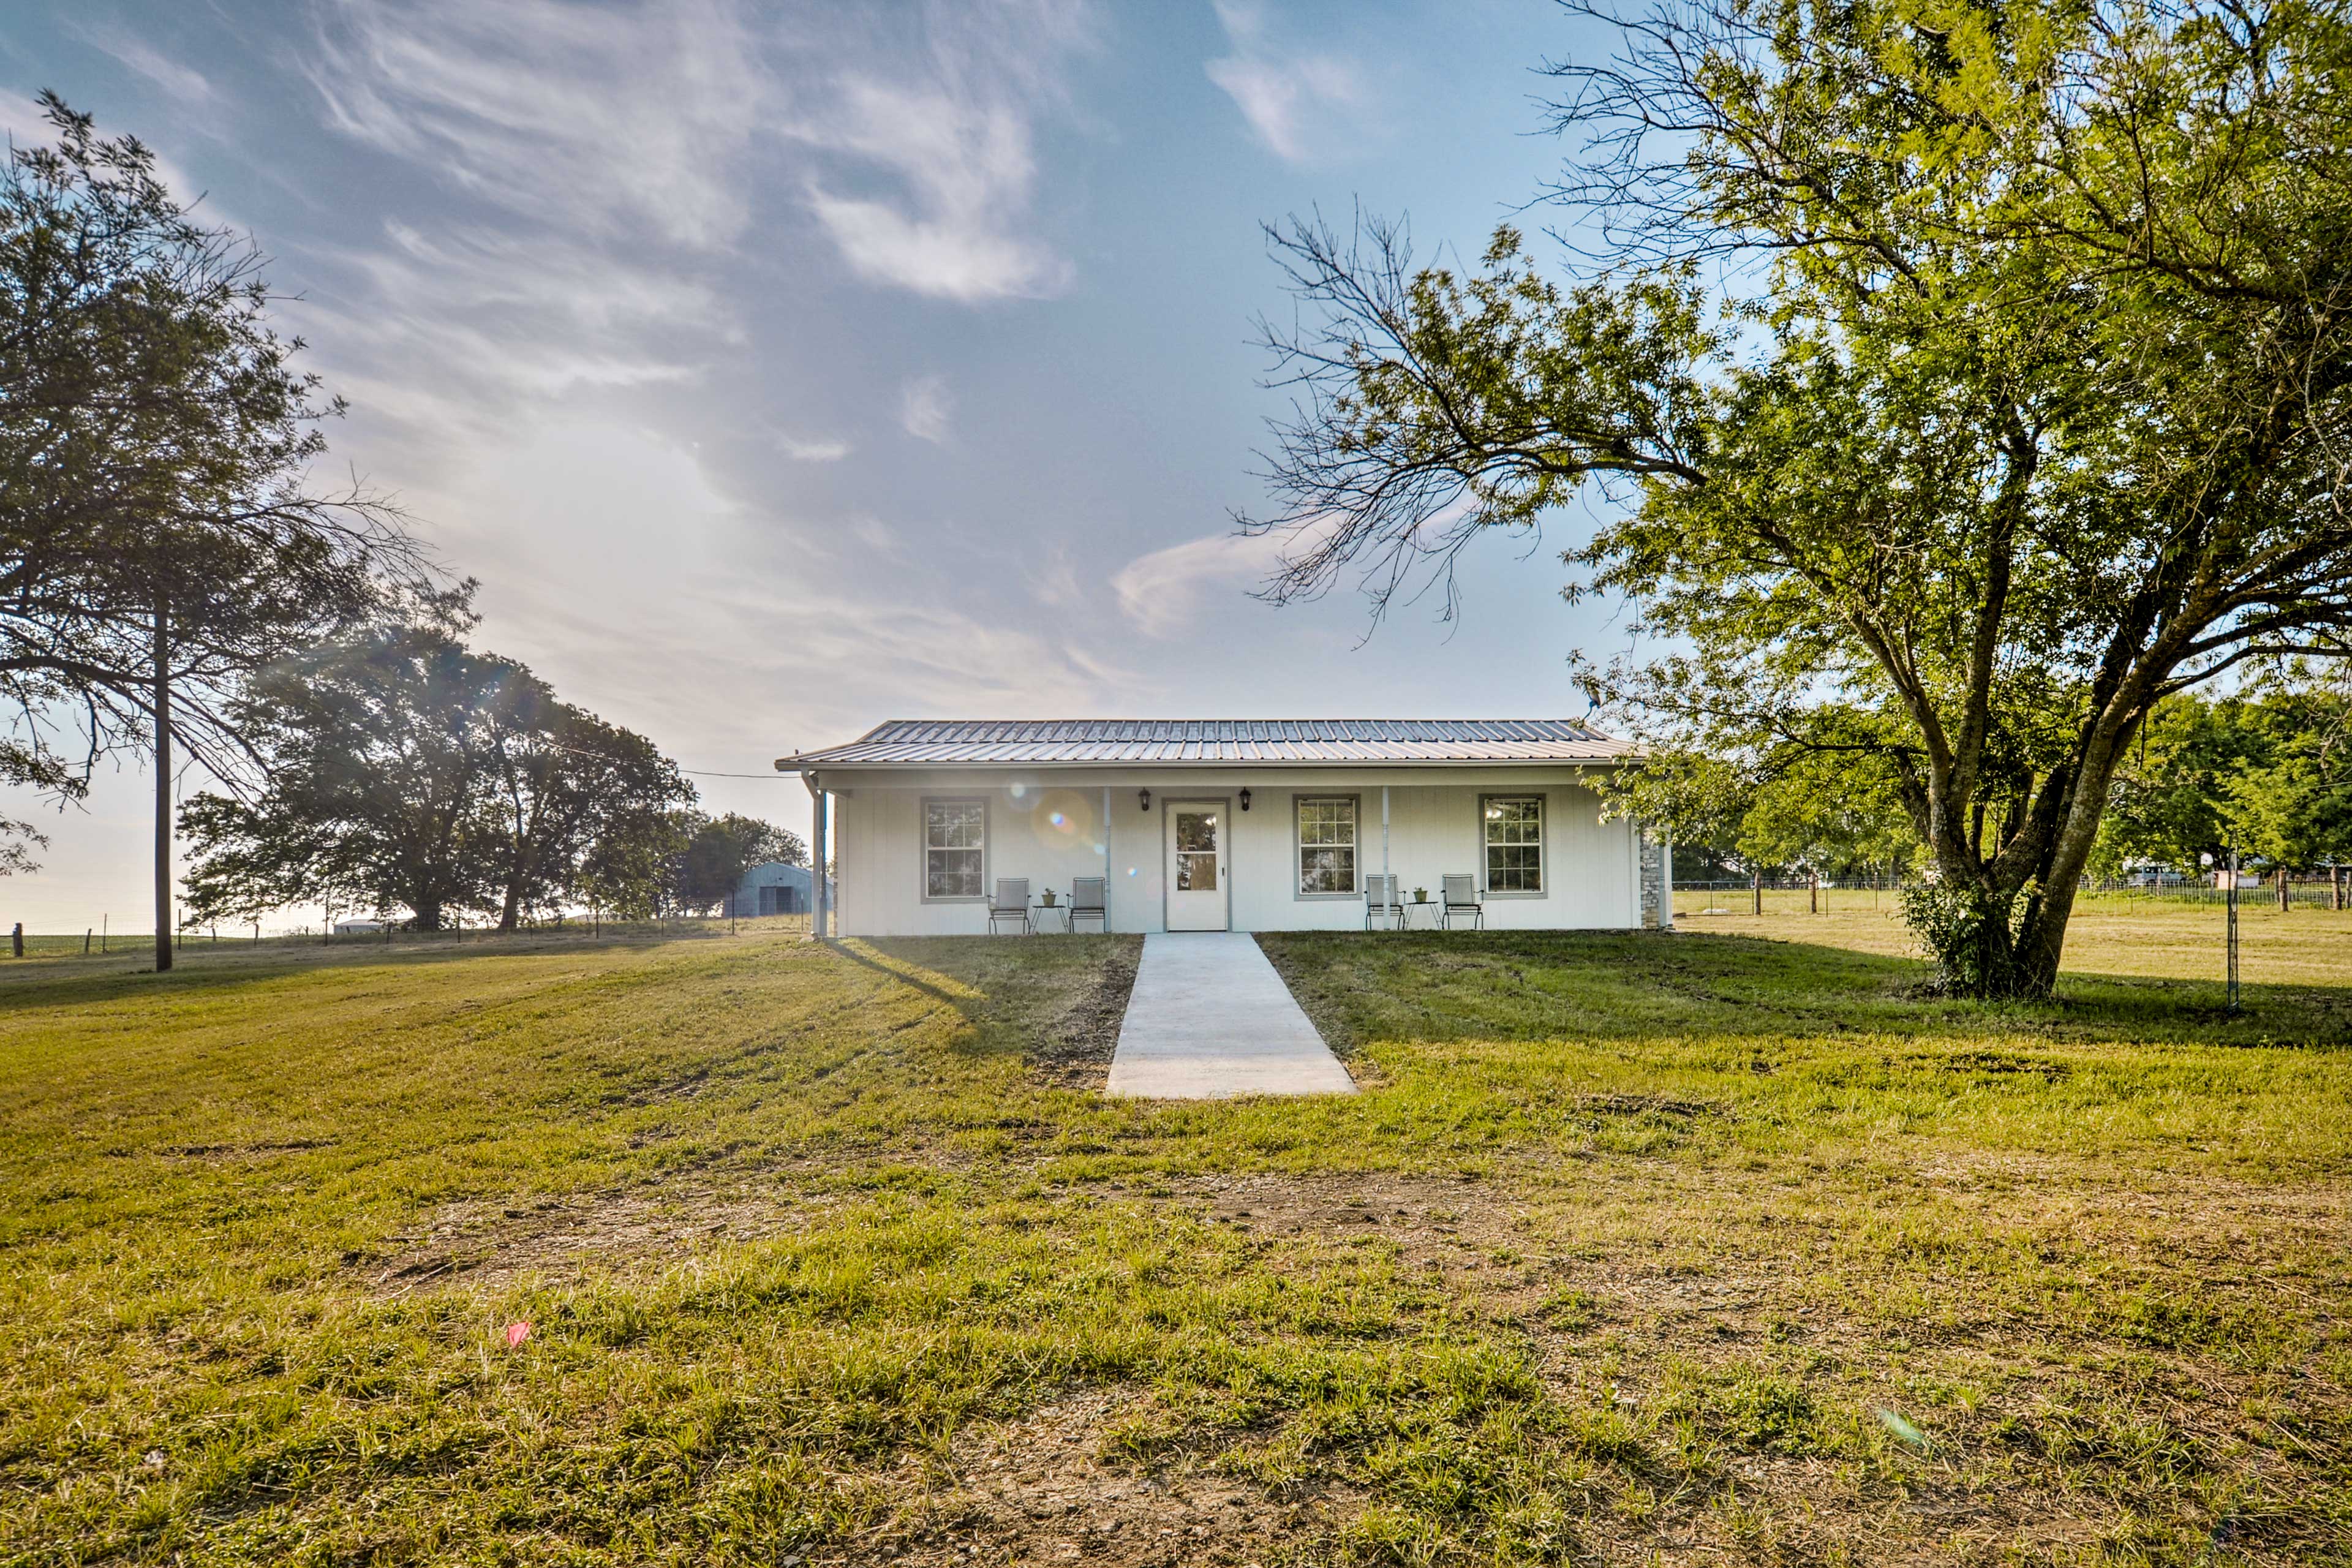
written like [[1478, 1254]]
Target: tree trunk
[[2284, 893], [162, 790], [510, 910]]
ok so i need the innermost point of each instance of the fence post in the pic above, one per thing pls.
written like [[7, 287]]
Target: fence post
[[16, 939], [2232, 908], [85, 941]]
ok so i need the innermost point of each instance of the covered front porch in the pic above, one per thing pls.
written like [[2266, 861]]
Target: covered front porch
[[1185, 851]]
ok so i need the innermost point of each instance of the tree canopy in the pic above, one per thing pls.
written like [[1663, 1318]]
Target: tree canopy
[[2266, 772], [1969, 378], [160, 536], [408, 771]]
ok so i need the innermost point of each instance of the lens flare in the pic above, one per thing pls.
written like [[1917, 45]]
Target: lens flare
[[1063, 818]]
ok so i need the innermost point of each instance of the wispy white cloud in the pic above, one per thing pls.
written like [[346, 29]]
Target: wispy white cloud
[[21, 117], [177, 78], [926, 408], [654, 544], [1165, 592], [968, 170], [932, 170], [605, 117], [1297, 101], [803, 451], [463, 335]]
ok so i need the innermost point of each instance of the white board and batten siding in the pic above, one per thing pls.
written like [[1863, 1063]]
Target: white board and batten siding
[[1070, 804]]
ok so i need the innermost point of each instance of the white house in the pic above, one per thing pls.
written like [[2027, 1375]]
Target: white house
[[1227, 824]]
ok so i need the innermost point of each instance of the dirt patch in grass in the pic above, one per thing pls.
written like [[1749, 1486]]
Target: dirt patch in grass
[[483, 1247], [1058, 1485]]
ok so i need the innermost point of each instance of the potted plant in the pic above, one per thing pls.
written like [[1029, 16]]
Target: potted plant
[[1047, 898], [1420, 895]]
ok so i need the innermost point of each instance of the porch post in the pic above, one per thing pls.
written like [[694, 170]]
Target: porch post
[[820, 903], [1388, 880], [1666, 879], [1106, 859]]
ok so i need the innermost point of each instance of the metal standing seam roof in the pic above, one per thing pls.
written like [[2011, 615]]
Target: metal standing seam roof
[[1034, 742]]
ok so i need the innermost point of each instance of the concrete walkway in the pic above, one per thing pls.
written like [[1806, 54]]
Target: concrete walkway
[[1211, 1018]]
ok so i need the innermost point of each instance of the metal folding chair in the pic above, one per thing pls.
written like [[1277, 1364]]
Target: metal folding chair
[[1011, 903], [1091, 899], [1461, 899], [1380, 902]]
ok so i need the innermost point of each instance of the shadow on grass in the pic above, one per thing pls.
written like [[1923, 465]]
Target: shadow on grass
[[1022, 996], [1631, 984], [971, 1003]]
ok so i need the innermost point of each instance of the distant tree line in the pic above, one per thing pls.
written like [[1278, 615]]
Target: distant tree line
[[2266, 772]]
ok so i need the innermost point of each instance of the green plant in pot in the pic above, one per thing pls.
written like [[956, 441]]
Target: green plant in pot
[[1420, 895], [1049, 898]]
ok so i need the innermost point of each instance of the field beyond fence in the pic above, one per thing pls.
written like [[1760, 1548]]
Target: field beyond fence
[[1738, 897], [2122, 933], [140, 944]]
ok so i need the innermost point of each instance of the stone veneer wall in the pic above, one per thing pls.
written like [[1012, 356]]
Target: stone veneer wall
[[1657, 888]]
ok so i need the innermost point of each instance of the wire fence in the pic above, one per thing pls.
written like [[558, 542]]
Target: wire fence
[[102, 940], [2321, 890]]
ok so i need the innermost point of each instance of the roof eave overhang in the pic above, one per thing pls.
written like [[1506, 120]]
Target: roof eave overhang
[[806, 763]]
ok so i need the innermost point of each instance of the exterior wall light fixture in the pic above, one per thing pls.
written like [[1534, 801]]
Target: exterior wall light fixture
[[1244, 800], [1143, 800]]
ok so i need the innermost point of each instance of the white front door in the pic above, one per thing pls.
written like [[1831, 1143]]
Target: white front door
[[1199, 897]]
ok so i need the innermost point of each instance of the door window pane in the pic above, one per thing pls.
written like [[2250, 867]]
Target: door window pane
[[955, 834], [1513, 834], [1196, 851], [1326, 844]]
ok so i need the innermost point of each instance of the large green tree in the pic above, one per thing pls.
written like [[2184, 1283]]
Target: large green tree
[[160, 536], [1971, 377], [563, 783], [408, 771]]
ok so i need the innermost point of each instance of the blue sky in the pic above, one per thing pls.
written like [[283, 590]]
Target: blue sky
[[782, 369]]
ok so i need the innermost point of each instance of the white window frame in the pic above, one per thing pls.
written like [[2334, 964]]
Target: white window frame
[[924, 848], [1542, 890], [1298, 847]]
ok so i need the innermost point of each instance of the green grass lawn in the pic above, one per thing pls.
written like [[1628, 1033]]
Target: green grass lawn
[[1636, 1249]]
